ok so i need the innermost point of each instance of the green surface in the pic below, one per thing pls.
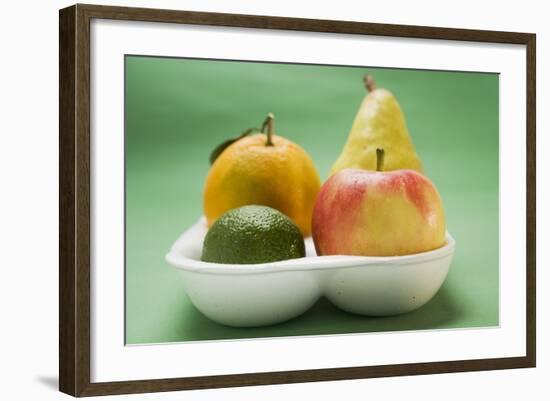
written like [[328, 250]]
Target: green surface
[[178, 110]]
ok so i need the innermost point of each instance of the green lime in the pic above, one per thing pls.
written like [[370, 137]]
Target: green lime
[[252, 234]]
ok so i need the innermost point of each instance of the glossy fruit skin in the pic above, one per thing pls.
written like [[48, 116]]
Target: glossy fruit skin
[[252, 234], [369, 213], [248, 172], [379, 123]]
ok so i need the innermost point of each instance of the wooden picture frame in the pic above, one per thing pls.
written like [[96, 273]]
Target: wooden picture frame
[[74, 199]]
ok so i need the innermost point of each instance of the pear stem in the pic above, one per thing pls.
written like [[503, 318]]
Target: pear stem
[[268, 123], [370, 84], [379, 159]]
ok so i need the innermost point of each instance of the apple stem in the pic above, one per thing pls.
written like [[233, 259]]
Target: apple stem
[[268, 123], [379, 159], [370, 84]]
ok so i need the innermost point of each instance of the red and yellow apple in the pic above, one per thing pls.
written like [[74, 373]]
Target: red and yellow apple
[[378, 213]]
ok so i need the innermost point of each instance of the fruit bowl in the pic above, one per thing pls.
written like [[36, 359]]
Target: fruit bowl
[[269, 293]]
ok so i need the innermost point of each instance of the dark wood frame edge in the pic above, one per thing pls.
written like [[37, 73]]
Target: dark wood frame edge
[[74, 199]]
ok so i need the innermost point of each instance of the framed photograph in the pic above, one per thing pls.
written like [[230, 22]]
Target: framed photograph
[[250, 200]]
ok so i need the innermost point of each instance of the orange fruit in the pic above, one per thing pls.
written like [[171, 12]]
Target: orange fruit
[[263, 169]]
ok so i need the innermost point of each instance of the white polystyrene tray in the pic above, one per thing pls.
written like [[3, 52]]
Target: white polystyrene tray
[[268, 293]]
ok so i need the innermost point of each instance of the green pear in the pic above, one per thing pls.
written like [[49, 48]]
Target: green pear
[[379, 123]]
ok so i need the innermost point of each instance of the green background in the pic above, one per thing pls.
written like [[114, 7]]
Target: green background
[[178, 110]]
